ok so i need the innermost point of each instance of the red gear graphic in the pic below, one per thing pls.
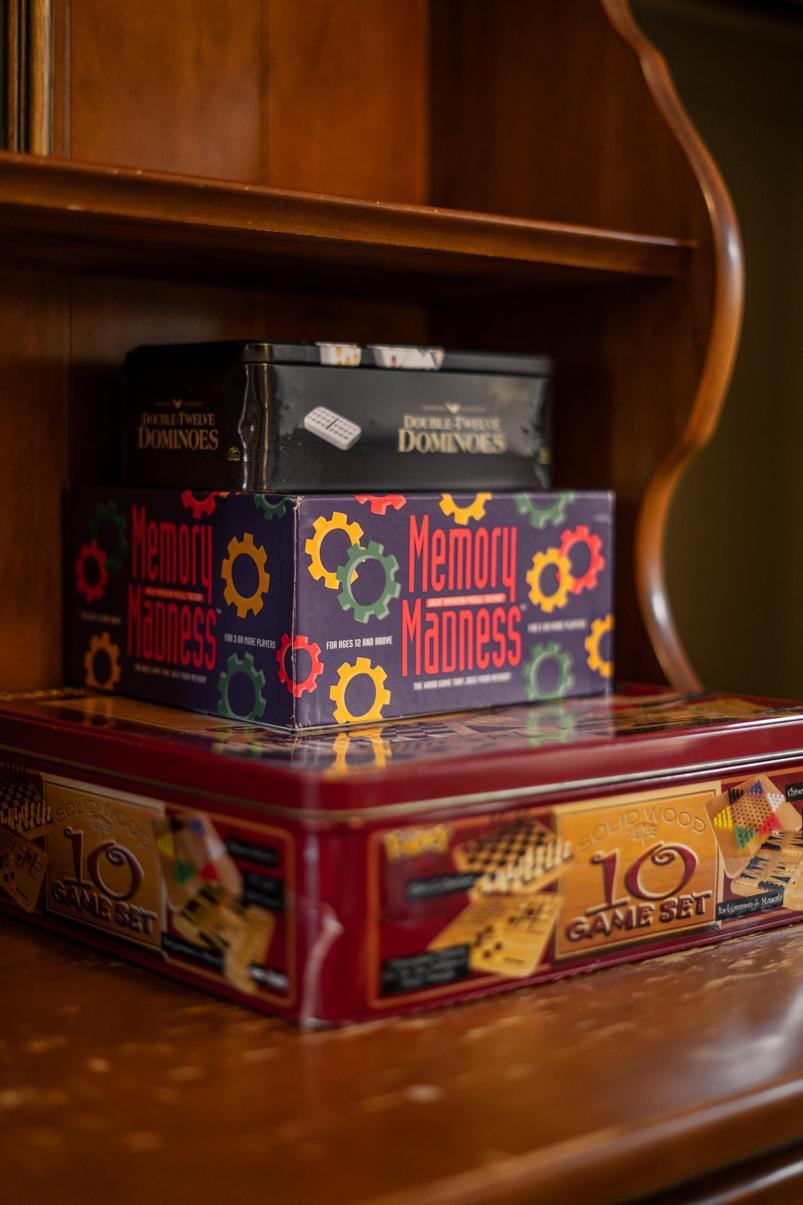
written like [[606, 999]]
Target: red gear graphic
[[199, 506], [596, 562], [380, 503], [315, 669], [95, 553]]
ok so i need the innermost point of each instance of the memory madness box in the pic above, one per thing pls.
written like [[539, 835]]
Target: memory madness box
[[315, 611], [276, 416], [354, 874]]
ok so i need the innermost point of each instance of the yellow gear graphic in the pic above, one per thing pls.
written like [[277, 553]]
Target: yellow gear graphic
[[102, 644], [245, 547], [322, 526], [599, 628], [99, 705], [346, 674], [342, 743], [560, 596], [462, 514]]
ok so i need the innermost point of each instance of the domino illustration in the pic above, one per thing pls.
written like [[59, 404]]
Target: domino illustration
[[336, 430], [505, 935]]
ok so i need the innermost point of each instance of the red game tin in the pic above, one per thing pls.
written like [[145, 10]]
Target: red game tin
[[352, 874]]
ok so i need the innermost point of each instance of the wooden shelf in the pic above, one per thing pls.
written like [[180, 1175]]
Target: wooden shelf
[[56, 213], [631, 281], [618, 1084]]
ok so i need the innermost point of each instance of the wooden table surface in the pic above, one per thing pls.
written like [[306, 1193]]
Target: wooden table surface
[[118, 1086]]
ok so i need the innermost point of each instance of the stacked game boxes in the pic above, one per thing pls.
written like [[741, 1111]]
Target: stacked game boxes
[[319, 537], [322, 563], [291, 831]]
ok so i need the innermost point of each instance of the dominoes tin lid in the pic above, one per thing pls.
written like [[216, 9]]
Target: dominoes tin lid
[[472, 760], [348, 355]]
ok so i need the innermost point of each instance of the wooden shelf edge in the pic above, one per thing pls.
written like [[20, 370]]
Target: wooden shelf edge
[[656, 1156], [61, 200]]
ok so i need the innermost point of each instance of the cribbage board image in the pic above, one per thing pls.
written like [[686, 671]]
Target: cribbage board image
[[22, 803], [745, 815], [778, 865], [521, 856], [506, 935]]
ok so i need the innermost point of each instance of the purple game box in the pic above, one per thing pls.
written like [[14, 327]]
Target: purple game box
[[311, 611]]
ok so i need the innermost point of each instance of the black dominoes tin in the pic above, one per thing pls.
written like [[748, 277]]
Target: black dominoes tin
[[287, 417]]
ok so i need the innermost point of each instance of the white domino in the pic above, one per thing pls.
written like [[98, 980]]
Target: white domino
[[428, 359], [335, 429], [346, 355]]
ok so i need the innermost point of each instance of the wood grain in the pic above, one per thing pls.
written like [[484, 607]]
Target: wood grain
[[774, 1179], [509, 136], [62, 78], [109, 317], [589, 222], [641, 372], [27, 112], [347, 97], [39, 113], [33, 470], [606, 1087], [62, 343], [714, 373], [14, 74], [81, 216], [314, 96], [168, 86]]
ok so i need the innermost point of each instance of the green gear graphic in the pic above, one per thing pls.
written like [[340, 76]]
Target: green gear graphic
[[271, 510], [241, 665], [563, 659], [549, 726], [380, 607], [243, 750], [109, 512], [540, 515]]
